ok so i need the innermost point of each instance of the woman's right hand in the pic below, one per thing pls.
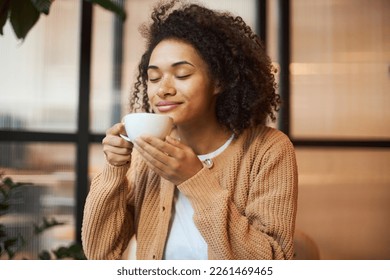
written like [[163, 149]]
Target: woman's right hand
[[117, 149]]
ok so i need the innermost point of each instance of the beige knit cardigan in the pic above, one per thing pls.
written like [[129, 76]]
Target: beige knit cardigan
[[244, 206]]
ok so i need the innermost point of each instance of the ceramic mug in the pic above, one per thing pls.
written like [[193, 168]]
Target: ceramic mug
[[138, 124]]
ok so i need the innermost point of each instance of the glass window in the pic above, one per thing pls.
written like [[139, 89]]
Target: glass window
[[96, 159], [49, 192], [340, 73], [339, 90], [39, 76], [343, 201], [105, 95]]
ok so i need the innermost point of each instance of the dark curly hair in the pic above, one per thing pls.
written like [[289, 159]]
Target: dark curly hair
[[235, 57]]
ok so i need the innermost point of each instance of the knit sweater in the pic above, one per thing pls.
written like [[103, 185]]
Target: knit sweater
[[244, 205]]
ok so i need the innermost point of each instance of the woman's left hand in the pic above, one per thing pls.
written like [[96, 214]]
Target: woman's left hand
[[171, 159]]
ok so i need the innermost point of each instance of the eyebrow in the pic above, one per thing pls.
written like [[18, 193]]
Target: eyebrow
[[173, 65]]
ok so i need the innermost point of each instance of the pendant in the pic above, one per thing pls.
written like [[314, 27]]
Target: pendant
[[208, 163]]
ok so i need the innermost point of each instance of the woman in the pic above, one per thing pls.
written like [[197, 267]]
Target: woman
[[222, 185]]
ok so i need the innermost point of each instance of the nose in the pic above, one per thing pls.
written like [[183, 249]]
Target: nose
[[166, 88]]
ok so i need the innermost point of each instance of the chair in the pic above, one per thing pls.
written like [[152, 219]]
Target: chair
[[305, 247]]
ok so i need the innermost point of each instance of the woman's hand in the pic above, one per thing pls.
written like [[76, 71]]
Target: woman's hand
[[116, 149], [171, 159]]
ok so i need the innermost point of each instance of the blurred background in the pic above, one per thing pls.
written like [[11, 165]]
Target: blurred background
[[70, 79]]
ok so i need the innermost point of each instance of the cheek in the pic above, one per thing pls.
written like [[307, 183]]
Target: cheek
[[151, 91], [193, 90]]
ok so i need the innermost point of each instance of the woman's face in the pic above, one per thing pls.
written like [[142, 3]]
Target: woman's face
[[179, 84]]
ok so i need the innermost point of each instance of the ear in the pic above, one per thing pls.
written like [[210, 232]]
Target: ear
[[217, 88]]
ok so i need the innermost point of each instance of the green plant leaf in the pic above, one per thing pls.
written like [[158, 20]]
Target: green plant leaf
[[23, 17], [9, 182], [44, 255], [74, 251], [14, 244], [8, 246], [46, 225], [10, 253], [4, 206], [4, 11], [2, 232], [61, 253], [3, 192], [10, 242], [111, 6], [43, 6]]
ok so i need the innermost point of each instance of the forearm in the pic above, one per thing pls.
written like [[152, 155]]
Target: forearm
[[107, 227]]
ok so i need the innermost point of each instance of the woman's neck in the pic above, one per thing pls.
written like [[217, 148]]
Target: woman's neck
[[204, 139]]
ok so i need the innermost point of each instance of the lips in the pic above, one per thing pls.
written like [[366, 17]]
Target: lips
[[165, 106]]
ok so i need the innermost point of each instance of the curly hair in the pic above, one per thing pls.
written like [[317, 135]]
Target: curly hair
[[235, 57]]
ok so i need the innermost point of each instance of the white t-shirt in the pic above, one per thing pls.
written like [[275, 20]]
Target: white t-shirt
[[185, 241]]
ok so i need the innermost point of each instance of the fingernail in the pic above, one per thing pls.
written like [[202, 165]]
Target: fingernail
[[174, 138]]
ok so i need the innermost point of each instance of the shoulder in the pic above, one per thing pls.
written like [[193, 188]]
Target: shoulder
[[264, 137], [267, 148], [260, 144]]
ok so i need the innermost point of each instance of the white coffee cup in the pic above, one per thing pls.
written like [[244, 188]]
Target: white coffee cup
[[139, 124]]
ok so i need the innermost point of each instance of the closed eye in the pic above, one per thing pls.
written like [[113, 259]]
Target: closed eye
[[153, 74], [154, 79], [182, 77]]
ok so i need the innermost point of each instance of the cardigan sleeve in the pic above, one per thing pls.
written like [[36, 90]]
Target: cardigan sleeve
[[108, 218], [264, 230]]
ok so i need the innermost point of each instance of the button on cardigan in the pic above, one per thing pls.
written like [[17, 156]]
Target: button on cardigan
[[244, 206]]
